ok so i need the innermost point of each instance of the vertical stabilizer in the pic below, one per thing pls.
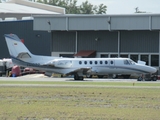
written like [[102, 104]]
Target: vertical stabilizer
[[16, 47]]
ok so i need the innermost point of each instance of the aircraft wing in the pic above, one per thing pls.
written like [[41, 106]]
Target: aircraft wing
[[48, 64], [67, 70], [81, 71]]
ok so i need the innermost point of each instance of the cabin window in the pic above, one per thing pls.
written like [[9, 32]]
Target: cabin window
[[90, 62], [111, 62], [95, 62], [80, 62], [106, 62], [85, 62], [101, 62]]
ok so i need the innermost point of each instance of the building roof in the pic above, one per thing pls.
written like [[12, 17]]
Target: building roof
[[28, 8], [15, 8]]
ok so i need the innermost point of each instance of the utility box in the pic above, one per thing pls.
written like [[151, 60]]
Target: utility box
[[5, 66], [2, 67]]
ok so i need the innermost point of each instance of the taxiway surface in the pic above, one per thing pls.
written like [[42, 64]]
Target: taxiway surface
[[41, 78]]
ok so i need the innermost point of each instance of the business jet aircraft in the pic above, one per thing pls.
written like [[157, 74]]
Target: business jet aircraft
[[73, 66]]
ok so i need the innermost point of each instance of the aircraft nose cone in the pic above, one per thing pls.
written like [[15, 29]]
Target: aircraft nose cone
[[152, 70]]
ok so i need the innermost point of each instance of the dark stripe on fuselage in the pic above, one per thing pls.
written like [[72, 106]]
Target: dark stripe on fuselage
[[27, 64]]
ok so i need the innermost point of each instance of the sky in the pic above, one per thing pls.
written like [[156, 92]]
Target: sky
[[127, 6]]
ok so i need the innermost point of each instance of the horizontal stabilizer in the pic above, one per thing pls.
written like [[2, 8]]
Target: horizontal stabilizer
[[23, 55]]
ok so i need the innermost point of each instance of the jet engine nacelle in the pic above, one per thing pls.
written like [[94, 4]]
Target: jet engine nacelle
[[62, 63]]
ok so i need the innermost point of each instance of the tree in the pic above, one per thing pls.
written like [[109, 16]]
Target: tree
[[101, 9], [86, 8], [72, 8], [42, 1]]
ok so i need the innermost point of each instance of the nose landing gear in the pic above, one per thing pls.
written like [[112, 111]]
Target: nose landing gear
[[147, 77]]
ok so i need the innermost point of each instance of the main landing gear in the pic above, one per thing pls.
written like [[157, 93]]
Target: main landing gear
[[77, 77]]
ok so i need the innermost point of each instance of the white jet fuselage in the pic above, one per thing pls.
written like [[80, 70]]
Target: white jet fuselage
[[72, 66], [99, 66]]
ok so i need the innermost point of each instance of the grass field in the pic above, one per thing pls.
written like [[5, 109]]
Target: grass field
[[80, 103]]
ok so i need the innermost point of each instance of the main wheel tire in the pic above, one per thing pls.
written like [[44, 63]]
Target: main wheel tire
[[114, 76], [88, 76], [76, 77], [126, 76], [81, 77], [100, 76]]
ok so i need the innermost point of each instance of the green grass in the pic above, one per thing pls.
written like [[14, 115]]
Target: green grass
[[68, 103], [144, 84]]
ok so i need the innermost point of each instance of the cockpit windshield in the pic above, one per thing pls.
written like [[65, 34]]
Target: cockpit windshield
[[129, 62], [132, 62]]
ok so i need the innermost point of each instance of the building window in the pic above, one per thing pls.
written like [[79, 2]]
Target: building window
[[124, 56], [104, 55], [154, 60], [114, 56], [67, 55], [134, 58], [145, 58]]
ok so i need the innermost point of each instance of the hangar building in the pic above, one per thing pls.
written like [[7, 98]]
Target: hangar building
[[19, 9], [135, 36], [16, 17]]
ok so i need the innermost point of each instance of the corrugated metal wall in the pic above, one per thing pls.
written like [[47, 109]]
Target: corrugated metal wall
[[38, 42], [63, 41], [107, 41], [139, 41], [86, 40]]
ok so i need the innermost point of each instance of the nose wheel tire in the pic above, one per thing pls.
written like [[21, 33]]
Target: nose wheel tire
[[154, 78], [139, 79]]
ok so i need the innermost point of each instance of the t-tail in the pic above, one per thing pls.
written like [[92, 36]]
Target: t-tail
[[17, 50]]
